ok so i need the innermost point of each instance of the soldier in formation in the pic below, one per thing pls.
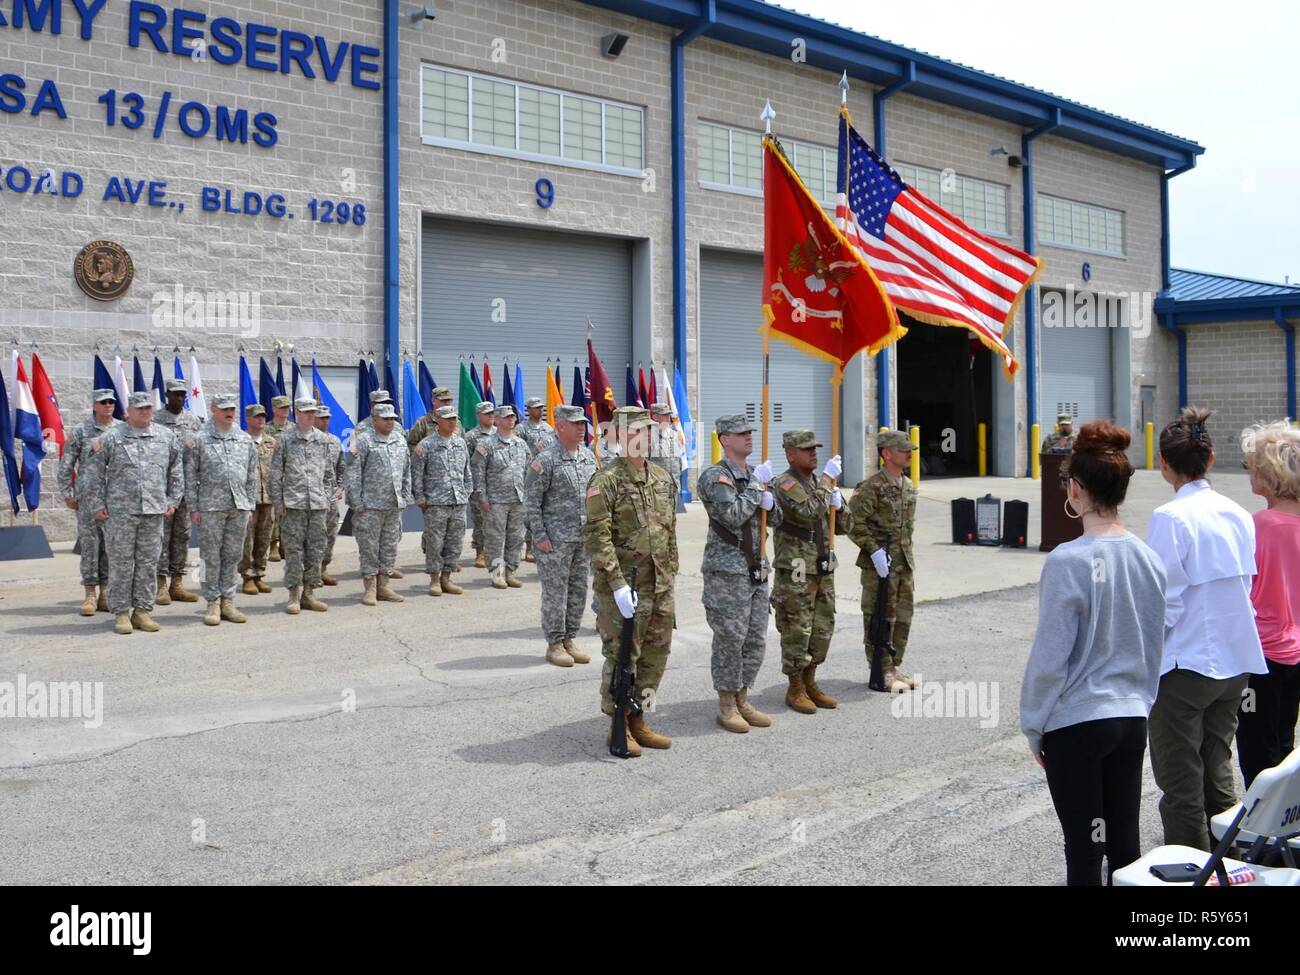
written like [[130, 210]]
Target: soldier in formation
[[485, 414], [257, 540], [278, 423], [75, 484], [556, 490], [428, 423], [538, 434], [499, 463], [174, 554], [302, 482], [332, 517], [379, 487], [441, 482]]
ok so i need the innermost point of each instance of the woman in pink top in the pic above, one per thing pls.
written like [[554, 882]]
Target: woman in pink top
[[1267, 718]]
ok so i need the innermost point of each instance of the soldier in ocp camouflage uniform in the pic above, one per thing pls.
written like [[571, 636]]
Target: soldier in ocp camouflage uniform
[[75, 483], [441, 481], [1062, 441], [735, 577], [222, 484], [556, 490], [632, 522], [539, 435], [485, 412], [332, 518], [884, 512], [499, 463], [257, 539], [804, 595], [302, 482], [379, 487], [176, 529], [427, 425], [136, 483]]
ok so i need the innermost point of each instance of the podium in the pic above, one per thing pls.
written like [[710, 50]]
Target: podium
[[1055, 525]]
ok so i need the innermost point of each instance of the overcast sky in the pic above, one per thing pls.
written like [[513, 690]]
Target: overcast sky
[[1224, 77]]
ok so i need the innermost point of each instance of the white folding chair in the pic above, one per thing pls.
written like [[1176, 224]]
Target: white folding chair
[[1245, 838], [1270, 812]]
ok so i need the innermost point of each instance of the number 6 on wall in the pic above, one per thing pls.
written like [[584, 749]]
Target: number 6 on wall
[[545, 191]]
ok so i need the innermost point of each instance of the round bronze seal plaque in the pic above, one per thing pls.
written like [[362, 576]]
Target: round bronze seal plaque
[[103, 270]]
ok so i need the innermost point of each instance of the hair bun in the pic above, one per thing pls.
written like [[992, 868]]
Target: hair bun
[[1101, 437]]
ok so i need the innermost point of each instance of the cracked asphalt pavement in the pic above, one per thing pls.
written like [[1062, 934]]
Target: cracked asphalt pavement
[[429, 742]]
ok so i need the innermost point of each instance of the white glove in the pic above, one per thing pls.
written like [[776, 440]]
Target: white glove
[[880, 560], [626, 600], [837, 499], [833, 468], [763, 472], [767, 502], [686, 464]]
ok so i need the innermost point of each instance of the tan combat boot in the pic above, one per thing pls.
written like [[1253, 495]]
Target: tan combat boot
[[728, 716], [903, 678], [384, 593], [435, 585], [555, 654], [633, 749], [368, 597], [645, 736], [892, 684], [179, 592], [815, 693], [122, 624], [395, 574], [101, 605], [213, 616], [142, 621], [309, 601], [750, 713], [480, 560], [88, 604], [250, 586], [230, 614], [499, 581], [512, 582], [797, 697], [161, 597], [448, 586], [325, 578], [528, 553], [578, 656], [262, 585], [294, 606]]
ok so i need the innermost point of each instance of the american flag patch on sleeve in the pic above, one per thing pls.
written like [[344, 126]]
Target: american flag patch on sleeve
[[593, 491], [788, 484], [724, 479], [537, 466]]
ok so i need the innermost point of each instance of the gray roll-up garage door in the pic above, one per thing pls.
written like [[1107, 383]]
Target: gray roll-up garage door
[[545, 283], [731, 359], [1076, 361]]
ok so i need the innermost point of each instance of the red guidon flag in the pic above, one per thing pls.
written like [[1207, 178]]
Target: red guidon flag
[[818, 293]]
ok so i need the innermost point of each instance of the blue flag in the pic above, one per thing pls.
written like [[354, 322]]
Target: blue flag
[[412, 402], [138, 385], [580, 399], [394, 390], [159, 387], [297, 376], [340, 423], [364, 388], [266, 390], [178, 372], [104, 380], [427, 384], [374, 382], [508, 390], [247, 397], [7, 443], [684, 412], [633, 397], [473, 377], [279, 376], [520, 398]]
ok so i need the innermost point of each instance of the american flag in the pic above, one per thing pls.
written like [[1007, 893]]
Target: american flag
[[931, 264]]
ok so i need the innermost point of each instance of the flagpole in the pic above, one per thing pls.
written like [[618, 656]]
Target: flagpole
[[837, 377], [767, 116]]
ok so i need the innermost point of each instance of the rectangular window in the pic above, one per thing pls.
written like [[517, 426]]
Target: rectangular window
[[732, 158], [977, 202], [472, 111], [1082, 226]]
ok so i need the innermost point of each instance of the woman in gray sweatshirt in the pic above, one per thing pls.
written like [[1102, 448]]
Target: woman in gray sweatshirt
[[1094, 668]]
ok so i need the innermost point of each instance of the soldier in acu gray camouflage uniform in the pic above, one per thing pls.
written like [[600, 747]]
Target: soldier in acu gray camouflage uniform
[[222, 485], [735, 578], [379, 487], [556, 490], [499, 463], [302, 482], [340, 472], [441, 481], [176, 529], [539, 435], [75, 482], [137, 482], [485, 412]]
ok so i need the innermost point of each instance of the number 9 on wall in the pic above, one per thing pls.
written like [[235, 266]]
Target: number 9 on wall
[[545, 191]]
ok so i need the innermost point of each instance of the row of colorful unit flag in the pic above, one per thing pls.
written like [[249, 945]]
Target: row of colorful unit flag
[[31, 417]]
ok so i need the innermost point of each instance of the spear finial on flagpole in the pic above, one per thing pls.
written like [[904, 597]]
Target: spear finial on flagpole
[[844, 88], [767, 117]]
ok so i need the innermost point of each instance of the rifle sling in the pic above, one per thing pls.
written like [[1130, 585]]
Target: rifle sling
[[745, 542]]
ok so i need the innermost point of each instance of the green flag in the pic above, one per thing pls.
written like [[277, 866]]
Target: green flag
[[469, 398]]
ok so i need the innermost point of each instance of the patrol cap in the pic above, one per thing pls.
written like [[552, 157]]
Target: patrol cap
[[632, 417], [380, 396], [570, 414], [142, 398], [446, 413], [177, 386], [1064, 418], [533, 401], [895, 440], [225, 401], [505, 409], [485, 407], [385, 411], [304, 405], [799, 439], [254, 409], [323, 411], [731, 423], [104, 396], [441, 392], [662, 409], [281, 401]]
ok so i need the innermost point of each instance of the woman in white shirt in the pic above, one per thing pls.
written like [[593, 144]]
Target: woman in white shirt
[[1207, 543]]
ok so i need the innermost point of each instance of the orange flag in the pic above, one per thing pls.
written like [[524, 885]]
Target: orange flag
[[818, 293], [554, 397]]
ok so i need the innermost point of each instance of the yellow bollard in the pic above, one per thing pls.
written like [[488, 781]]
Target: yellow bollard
[[914, 435], [1035, 465], [983, 433], [1150, 432], [716, 451], [880, 461]]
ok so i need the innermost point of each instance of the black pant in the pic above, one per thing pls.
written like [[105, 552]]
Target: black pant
[[1266, 719], [1094, 772]]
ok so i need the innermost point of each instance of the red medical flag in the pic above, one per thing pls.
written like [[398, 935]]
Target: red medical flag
[[47, 404], [602, 393]]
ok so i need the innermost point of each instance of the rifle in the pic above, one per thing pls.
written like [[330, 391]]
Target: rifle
[[878, 633], [624, 689]]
